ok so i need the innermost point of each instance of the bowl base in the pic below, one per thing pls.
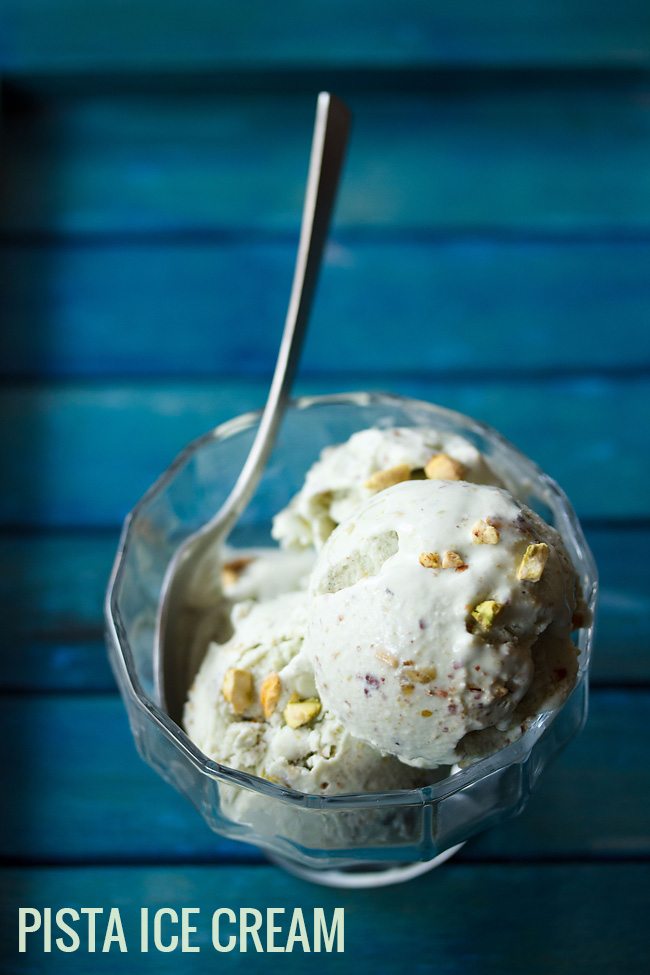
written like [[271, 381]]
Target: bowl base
[[366, 875]]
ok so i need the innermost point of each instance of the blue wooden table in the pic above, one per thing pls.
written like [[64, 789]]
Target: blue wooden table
[[491, 253]]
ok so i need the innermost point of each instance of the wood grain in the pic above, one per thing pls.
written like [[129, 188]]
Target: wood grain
[[573, 919], [481, 307], [82, 453], [46, 36], [52, 590], [80, 793], [545, 154]]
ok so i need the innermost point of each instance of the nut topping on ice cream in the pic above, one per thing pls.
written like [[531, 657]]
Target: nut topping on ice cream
[[237, 688], [484, 534], [430, 560], [486, 613], [231, 571], [452, 560], [270, 694], [533, 562], [443, 467], [381, 480], [297, 712]]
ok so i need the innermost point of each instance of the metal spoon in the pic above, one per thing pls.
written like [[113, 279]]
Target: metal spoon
[[175, 660]]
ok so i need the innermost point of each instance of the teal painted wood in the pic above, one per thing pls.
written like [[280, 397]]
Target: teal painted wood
[[551, 154], [477, 306], [52, 590], [574, 919], [80, 793], [82, 454], [45, 36]]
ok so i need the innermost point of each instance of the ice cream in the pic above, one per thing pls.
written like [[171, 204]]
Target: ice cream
[[347, 474], [555, 665], [416, 616], [426, 606], [254, 707]]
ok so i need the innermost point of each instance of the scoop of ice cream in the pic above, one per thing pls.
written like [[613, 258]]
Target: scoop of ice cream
[[254, 707], [263, 573], [425, 608], [555, 668], [347, 474]]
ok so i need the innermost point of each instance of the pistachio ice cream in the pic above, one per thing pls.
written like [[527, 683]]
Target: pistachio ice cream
[[425, 607], [346, 475], [416, 615], [254, 706]]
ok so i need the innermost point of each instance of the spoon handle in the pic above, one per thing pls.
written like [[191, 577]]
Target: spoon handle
[[327, 153]]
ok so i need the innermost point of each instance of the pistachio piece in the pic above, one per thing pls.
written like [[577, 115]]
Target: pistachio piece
[[298, 713], [442, 467], [426, 713], [270, 690], [421, 675], [483, 533], [532, 564], [486, 612], [387, 658], [430, 560], [231, 571], [385, 479], [237, 688], [452, 560]]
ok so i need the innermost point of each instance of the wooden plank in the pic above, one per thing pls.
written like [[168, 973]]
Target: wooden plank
[[48, 36], [570, 919], [82, 454], [576, 919], [52, 589], [80, 793], [550, 154], [479, 306], [51, 600]]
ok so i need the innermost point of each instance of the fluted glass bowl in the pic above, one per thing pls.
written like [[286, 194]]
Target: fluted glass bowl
[[353, 840]]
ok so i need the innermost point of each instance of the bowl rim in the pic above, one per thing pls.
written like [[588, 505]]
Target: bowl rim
[[515, 753]]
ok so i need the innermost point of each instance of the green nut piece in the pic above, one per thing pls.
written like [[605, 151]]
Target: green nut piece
[[298, 713], [486, 613], [532, 565]]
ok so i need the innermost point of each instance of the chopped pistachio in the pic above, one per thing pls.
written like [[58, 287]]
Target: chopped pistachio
[[231, 571], [426, 713], [486, 612], [483, 533], [421, 675], [270, 691], [387, 658], [532, 564], [237, 688], [385, 479], [442, 467], [300, 712], [430, 560], [452, 560]]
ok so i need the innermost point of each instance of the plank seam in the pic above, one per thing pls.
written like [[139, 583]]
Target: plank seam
[[257, 860], [352, 234]]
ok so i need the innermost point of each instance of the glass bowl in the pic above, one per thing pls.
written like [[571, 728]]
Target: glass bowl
[[353, 840]]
